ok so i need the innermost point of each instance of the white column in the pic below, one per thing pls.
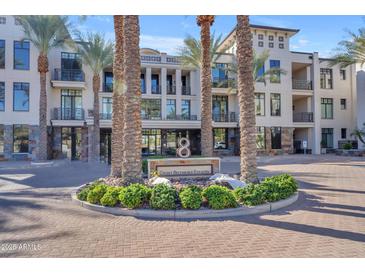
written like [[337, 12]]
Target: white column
[[148, 80], [178, 91], [317, 135], [163, 91], [191, 78]]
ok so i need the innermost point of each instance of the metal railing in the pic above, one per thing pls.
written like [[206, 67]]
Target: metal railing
[[185, 90], [302, 84], [108, 87], [156, 89], [68, 114], [150, 59], [303, 117], [76, 75], [182, 117], [105, 116], [224, 117], [223, 83], [171, 89]]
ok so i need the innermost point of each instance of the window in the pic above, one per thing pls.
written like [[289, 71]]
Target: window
[[185, 109], [71, 105], [281, 45], [220, 75], [327, 138], [271, 44], [155, 84], [21, 96], [20, 139], [343, 133], [275, 77], [261, 44], [220, 138], [2, 20], [275, 104], [171, 108], [342, 74], [220, 108], [71, 67], [326, 108], [260, 137], [108, 81], [326, 78], [151, 142], [281, 38], [1, 139], [21, 55], [260, 104], [106, 108], [261, 37], [2, 54], [271, 37], [343, 103], [2, 96], [276, 138], [261, 74], [151, 109], [143, 84]]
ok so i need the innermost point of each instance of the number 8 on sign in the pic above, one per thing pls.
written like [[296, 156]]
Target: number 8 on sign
[[183, 151]]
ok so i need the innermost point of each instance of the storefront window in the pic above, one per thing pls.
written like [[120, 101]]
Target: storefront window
[[276, 138], [260, 137], [20, 139], [220, 137]]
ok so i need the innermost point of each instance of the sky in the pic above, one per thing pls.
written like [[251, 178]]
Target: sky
[[166, 33]]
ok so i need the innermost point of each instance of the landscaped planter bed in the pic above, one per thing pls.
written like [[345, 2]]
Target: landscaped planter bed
[[165, 201]]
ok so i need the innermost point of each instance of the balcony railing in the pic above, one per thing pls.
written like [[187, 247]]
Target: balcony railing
[[223, 83], [150, 59], [185, 90], [76, 75], [156, 89], [225, 117], [171, 89], [302, 84], [105, 116], [303, 117], [182, 117], [68, 114], [108, 87]]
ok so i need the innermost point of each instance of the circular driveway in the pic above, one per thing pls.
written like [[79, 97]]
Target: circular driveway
[[38, 219]]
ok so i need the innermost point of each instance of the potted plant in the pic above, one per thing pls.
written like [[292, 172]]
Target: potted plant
[[323, 147]]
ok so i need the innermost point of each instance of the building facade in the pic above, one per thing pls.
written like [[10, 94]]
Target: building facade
[[311, 105]]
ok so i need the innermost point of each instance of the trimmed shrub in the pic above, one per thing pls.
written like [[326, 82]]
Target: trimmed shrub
[[163, 196], [347, 146], [96, 193], [110, 197], [134, 195], [250, 195], [278, 187], [190, 197], [219, 197]]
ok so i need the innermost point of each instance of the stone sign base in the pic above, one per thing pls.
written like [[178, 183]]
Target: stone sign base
[[188, 167]]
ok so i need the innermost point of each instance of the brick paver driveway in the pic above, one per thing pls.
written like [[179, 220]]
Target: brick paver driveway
[[327, 221]]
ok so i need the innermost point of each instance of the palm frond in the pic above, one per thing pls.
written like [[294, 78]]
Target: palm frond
[[95, 51]]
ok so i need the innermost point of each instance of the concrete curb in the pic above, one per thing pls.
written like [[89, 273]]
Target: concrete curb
[[182, 214]]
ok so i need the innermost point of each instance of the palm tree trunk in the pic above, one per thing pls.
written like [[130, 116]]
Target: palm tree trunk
[[132, 163], [96, 134], [43, 136], [118, 117], [205, 21], [246, 99]]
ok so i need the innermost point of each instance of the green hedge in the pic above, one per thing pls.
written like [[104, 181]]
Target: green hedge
[[96, 193], [219, 197], [190, 197], [134, 195], [163, 196], [110, 197]]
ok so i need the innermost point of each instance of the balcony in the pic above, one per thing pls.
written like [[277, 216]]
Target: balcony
[[303, 117], [105, 116], [171, 90], [170, 117], [223, 83], [302, 84], [225, 117], [156, 89], [108, 87], [68, 78], [185, 90], [68, 114]]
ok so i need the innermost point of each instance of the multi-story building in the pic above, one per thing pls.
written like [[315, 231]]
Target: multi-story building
[[311, 103]]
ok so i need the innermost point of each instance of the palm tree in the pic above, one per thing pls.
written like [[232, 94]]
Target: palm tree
[[359, 134], [351, 51], [46, 32], [246, 99], [96, 53], [258, 72], [118, 116], [191, 53], [132, 163], [205, 21]]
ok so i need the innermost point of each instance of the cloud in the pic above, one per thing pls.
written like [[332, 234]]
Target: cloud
[[301, 43], [161, 43]]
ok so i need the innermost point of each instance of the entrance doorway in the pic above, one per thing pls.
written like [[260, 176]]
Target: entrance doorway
[[106, 145], [71, 143]]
